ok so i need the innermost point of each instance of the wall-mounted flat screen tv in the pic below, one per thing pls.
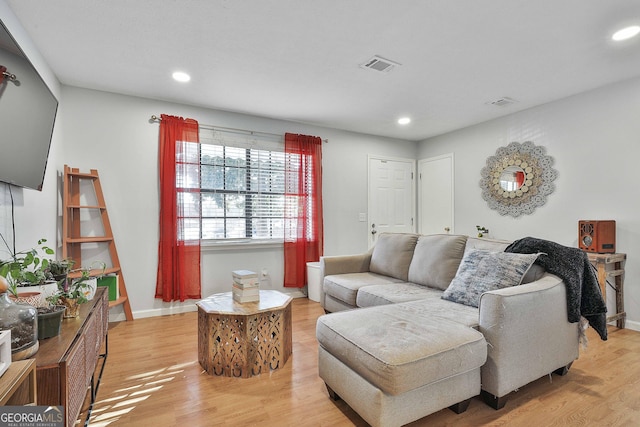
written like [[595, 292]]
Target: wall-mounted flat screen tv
[[27, 115]]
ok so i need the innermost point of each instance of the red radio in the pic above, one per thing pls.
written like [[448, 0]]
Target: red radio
[[597, 236]]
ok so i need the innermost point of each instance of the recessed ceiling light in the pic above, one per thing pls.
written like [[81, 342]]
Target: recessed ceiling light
[[181, 77], [626, 33], [404, 121]]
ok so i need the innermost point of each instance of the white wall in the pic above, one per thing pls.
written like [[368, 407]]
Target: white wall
[[24, 41], [34, 211], [594, 139], [112, 133]]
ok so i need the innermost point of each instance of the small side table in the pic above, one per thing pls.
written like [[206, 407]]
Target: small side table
[[18, 384], [611, 265], [242, 340]]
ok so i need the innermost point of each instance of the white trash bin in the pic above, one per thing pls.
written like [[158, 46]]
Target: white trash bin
[[313, 281]]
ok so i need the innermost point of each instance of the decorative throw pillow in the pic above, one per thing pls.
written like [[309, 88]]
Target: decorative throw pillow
[[482, 271]]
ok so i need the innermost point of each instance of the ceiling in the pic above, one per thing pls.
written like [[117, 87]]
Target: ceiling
[[299, 60]]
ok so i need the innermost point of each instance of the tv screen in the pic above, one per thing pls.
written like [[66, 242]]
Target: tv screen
[[27, 115]]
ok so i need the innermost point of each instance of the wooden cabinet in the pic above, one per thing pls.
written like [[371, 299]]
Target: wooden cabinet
[[18, 384], [65, 364]]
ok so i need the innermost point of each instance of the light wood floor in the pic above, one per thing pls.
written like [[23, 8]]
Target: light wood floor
[[152, 378]]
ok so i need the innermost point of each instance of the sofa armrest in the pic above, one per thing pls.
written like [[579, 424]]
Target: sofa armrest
[[344, 264], [527, 332]]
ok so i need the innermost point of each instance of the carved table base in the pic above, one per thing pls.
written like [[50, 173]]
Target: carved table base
[[242, 340]]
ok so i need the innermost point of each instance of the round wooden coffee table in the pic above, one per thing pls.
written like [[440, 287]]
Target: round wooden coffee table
[[242, 340]]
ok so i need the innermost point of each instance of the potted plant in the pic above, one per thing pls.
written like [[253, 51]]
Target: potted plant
[[26, 269], [60, 269], [49, 321], [75, 291], [96, 270], [32, 270]]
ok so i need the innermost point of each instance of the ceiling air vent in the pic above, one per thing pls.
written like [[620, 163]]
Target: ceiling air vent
[[379, 64], [502, 102]]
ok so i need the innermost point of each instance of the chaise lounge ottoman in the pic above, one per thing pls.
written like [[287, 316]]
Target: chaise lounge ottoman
[[394, 364]]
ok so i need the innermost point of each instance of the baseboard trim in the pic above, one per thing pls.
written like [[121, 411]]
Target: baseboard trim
[[180, 308], [630, 324]]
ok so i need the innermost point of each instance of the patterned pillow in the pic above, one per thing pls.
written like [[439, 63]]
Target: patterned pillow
[[482, 271]]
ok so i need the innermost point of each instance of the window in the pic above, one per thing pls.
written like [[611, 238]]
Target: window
[[232, 187]]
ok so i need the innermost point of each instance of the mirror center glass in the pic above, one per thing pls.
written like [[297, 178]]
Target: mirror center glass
[[512, 178]]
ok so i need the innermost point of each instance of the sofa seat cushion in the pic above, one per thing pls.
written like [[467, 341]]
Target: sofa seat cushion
[[443, 309], [436, 259], [369, 296], [399, 347], [344, 287], [392, 254]]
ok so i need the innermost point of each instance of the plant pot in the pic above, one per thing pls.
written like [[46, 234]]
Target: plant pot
[[59, 277], [30, 298], [50, 321], [46, 290], [90, 292], [72, 308]]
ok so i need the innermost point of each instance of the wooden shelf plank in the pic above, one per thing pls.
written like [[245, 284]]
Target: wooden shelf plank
[[94, 239], [86, 207], [614, 273], [118, 301], [82, 175], [95, 272]]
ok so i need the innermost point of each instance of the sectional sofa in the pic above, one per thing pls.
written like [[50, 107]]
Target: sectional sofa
[[424, 322]]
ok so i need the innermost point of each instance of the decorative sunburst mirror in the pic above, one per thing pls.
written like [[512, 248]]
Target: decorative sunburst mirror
[[518, 179]]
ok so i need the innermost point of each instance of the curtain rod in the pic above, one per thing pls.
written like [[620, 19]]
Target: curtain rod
[[155, 118]]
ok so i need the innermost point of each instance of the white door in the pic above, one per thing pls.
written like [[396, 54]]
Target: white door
[[435, 195], [391, 196]]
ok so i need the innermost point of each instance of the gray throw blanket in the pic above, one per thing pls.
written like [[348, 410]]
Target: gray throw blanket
[[572, 265]]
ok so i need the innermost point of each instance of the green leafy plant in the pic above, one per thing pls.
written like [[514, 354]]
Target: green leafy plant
[[69, 288], [59, 268], [27, 267], [75, 288], [482, 230]]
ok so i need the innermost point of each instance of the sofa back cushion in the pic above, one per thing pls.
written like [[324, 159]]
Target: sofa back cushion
[[392, 254], [486, 244], [436, 259]]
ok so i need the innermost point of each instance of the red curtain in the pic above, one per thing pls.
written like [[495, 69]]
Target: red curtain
[[303, 240], [178, 275]]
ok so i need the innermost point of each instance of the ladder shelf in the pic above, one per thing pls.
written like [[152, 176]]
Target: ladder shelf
[[72, 239]]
